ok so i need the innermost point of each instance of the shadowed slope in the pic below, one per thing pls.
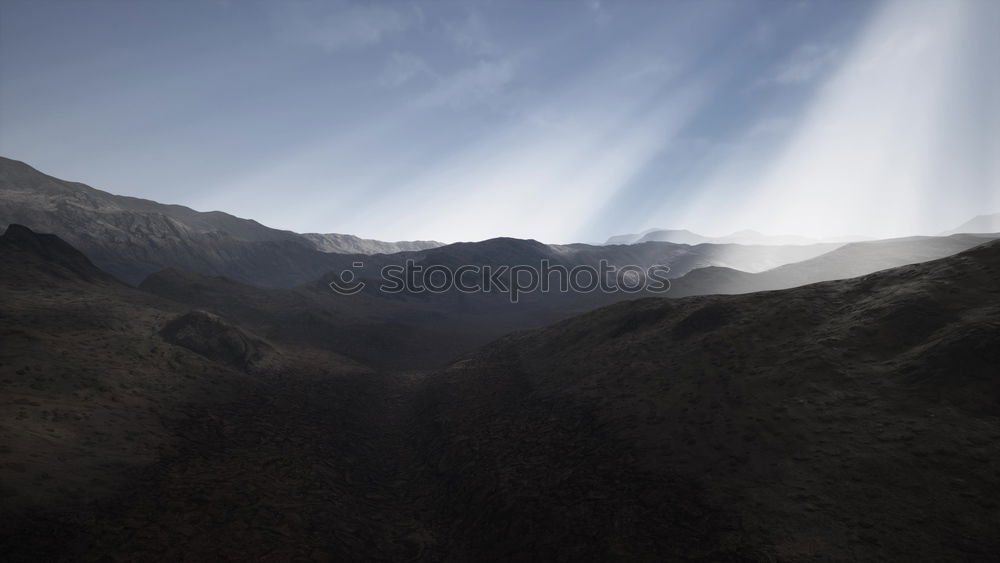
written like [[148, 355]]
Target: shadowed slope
[[857, 419], [124, 412], [49, 253], [83, 374]]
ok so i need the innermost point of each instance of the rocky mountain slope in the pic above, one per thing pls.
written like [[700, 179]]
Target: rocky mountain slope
[[132, 237], [350, 244], [125, 416], [847, 420], [424, 330], [384, 333], [84, 375], [429, 329], [851, 420]]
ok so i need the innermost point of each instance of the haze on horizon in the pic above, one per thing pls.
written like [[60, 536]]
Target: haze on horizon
[[556, 121]]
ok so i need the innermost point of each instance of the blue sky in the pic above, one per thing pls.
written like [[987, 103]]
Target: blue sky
[[555, 120]]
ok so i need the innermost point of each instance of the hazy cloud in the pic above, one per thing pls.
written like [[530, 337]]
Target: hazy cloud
[[402, 68], [656, 69], [472, 85], [768, 126], [806, 64], [470, 35], [598, 12], [342, 26]]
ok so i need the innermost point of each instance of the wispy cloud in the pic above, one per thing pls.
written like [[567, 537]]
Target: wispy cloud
[[401, 68], [806, 64], [655, 69], [470, 35], [471, 85], [337, 26], [598, 12]]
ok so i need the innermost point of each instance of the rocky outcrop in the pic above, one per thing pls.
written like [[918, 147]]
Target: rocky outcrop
[[218, 340]]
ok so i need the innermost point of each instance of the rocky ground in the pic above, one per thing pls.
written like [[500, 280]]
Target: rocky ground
[[854, 420], [292, 468]]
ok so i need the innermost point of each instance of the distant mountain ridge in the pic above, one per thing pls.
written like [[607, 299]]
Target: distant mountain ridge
[[350, 244], [131, 237], [848, 261], [684, 236], [679, 236], [979, 224], [986, 223]]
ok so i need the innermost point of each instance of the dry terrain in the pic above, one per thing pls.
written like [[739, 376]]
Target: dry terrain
[[856, 419]]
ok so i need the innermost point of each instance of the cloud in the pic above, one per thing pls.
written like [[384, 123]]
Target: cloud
[[471, 85], [402, 68], [806, 64], [656, 69], [768, 126], [598, 12], [470, 35], [340, 26]]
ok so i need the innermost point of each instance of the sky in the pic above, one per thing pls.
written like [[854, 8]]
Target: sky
[[554, 120]]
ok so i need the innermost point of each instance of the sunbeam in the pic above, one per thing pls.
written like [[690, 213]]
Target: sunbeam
[[872, 154]]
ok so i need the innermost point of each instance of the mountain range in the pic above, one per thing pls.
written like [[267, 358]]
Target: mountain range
[[978, 224], [132, 238], [848, 261], [187, 386], [277, 282], [683, 236], [189, 417]]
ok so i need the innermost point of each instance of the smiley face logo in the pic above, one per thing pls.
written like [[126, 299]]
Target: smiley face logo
[[347, 283]]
